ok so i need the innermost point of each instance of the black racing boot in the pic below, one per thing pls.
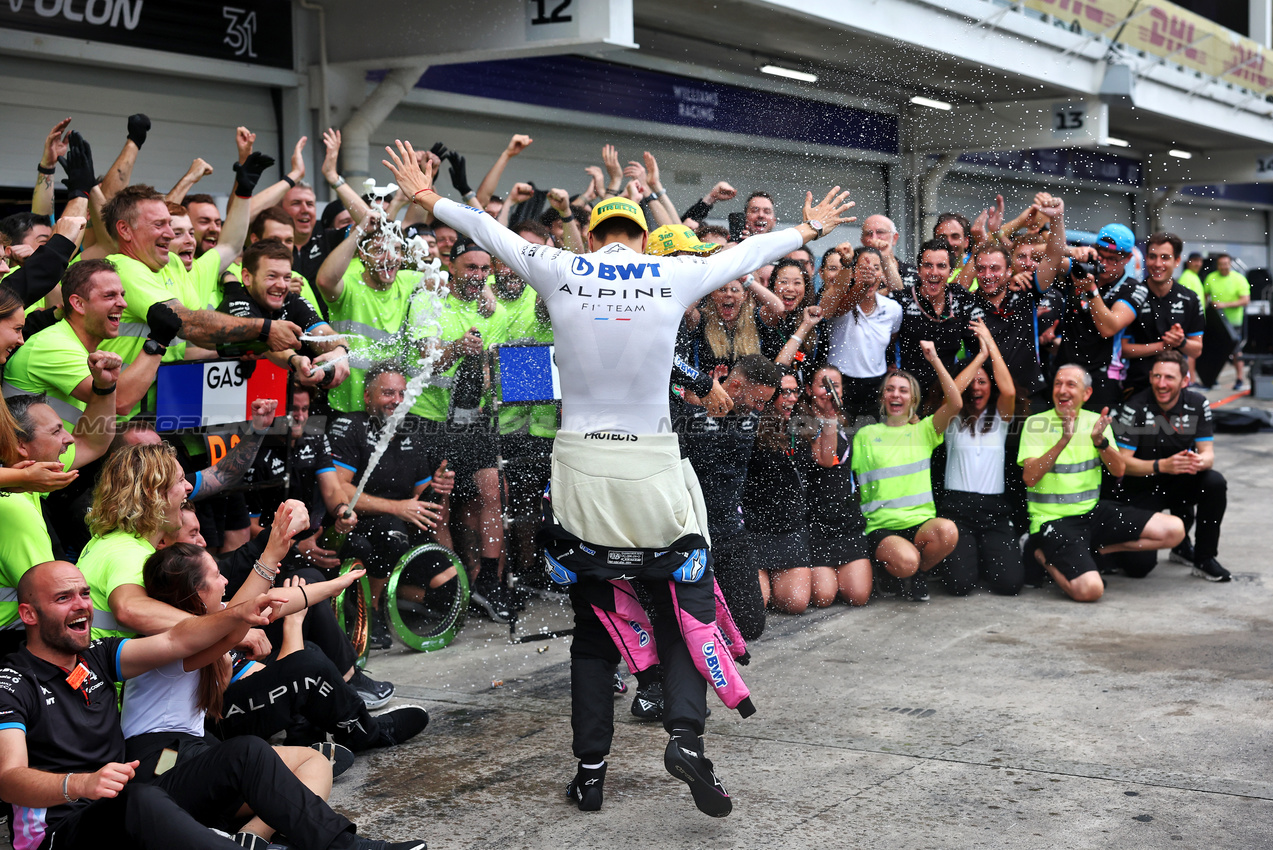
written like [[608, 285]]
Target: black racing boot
[[586, 788], [684, 759]]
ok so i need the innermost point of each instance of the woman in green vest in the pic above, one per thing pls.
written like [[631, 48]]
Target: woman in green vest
[[891, 460]]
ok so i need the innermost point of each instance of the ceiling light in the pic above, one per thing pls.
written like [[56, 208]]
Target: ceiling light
[[1180, 154], [931, 104], [1118, 143], [789, 73]]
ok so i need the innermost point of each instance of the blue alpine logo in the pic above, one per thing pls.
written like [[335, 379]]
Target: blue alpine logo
[[714, 665], [643, 637], [580, 266]]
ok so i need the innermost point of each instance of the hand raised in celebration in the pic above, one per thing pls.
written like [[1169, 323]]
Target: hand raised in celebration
[[517, 144], [559, 200], [831, 211], [105, 367], [404, 167], [520, 193]]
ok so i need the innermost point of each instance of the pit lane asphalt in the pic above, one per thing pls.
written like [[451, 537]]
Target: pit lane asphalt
[[1142, 721]]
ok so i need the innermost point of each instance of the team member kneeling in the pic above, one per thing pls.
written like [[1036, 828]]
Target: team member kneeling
[[1062, 451], [892, 461], [1166, 438]]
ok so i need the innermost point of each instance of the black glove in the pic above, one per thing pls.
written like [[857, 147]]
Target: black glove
[[164, 323], [459, 174], [248, 173], [77, 162], [439, 150], [138, 127]]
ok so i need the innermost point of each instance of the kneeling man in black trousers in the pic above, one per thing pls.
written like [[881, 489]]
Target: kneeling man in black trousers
[[1166, 436]]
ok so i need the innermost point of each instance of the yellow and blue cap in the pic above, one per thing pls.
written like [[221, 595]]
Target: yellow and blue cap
[[672, 238]]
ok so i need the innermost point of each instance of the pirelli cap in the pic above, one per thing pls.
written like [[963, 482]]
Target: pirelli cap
[[672, 238], [612, 207]]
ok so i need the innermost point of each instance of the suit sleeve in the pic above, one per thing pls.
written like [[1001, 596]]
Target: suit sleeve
[[750, 254], [536, 264], [42, 270]]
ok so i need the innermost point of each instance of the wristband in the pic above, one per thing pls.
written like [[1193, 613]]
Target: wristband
[[264, 335], [566, 220], [289, 181], [40, 168], [338, 512], [1102, 445], [340, 181], [653, 196], [103, 390], [304, 595], [798, 338], [1156, 468], [289, 363], [265, 572], [66, 790]]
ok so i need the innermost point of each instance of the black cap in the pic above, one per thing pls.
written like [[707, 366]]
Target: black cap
[[463, 245], [1194, 256], [330, 212]]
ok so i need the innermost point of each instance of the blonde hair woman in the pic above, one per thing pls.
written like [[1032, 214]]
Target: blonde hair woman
[[891, 460]]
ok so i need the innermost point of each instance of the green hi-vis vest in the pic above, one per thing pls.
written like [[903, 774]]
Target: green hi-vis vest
[[1073, 486], [892, 469], [24, 543], [371, 320], [108, 562]]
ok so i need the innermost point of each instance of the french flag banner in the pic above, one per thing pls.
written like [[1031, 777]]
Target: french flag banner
[[215, 392], [528, 374]]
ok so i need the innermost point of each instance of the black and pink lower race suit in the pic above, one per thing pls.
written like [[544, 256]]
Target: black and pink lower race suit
[[684, 625]]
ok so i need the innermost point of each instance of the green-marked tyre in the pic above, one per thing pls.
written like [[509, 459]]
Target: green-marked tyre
[[425, 622], [358, 628]]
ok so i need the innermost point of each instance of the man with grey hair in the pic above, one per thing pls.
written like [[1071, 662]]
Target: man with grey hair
[[1062, 451], [879, 232]]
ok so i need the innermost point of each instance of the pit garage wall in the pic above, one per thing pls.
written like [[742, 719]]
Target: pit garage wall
[[1205, 225], [689, 166], [190, 117], [700, 131], [1239, 231]]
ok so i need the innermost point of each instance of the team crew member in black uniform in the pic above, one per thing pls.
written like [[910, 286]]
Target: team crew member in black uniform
[[1011, 313], [392, 514], [1097, 313], [935, 310], [299, 466], [62, 756], [264, 294], [837, 538], [619, 483], [719, 447], [1165, 434], [774, 509], [1171, 318]]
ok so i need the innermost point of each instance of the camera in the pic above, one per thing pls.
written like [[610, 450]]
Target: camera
[[1081, 270]]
